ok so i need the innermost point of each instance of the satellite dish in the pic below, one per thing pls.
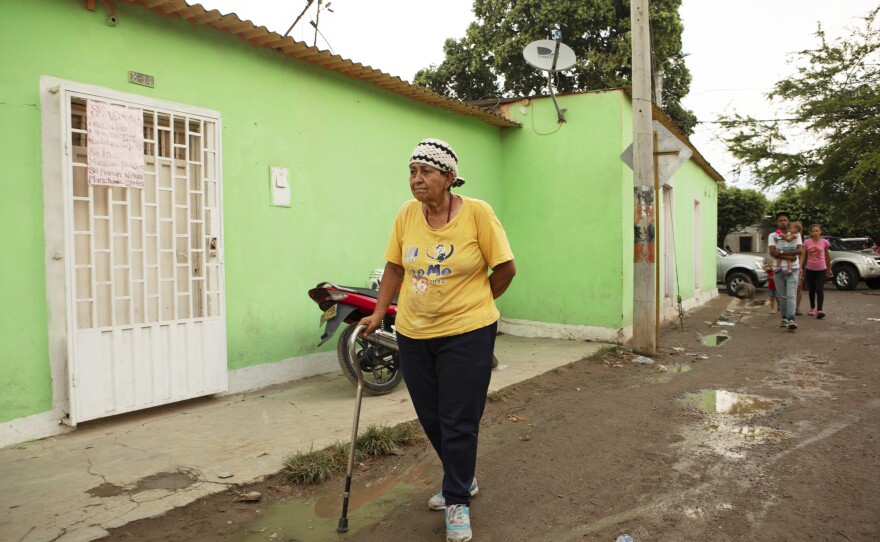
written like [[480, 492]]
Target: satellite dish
[[549, 55]]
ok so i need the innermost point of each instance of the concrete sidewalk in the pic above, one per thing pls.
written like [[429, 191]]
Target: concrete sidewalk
[[73, 487]]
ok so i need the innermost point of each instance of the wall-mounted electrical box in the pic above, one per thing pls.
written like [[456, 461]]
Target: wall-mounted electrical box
[[278, 177]]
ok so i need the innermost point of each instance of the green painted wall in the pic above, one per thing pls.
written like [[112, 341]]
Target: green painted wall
[[569, 199], [347, 145], [691, 185], [25, 382], [626, 211], [563, 211]]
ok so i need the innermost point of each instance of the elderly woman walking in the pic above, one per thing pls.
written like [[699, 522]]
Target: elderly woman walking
[[441, 249]]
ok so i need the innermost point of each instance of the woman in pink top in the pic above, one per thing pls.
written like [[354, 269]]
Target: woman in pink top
[[818, 269]]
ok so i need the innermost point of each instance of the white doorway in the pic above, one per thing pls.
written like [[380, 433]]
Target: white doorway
[[144, 289], [698, 243], [669, 271]]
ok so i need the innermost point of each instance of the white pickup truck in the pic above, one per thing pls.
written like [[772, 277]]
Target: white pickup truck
[[851, 262], [735, 269]]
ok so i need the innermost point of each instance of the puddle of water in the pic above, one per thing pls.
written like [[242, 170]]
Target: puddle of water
[[315, 519], [728, 402], [166, 480], [753, 432], [715, 340], [106, 490]]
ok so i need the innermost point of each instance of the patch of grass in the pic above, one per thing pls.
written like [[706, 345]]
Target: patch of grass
[[407, 434], [376, 441], [499, 395], [312, 467], [604, 353], [315, 467], [338, 453]]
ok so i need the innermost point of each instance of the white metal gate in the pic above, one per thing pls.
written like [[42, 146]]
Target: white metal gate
[[145, 287]]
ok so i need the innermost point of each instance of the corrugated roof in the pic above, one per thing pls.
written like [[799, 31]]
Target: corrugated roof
[[657, 114], [264, 38]]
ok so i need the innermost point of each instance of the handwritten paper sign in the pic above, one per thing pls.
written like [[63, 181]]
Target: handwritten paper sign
[[116, 145]]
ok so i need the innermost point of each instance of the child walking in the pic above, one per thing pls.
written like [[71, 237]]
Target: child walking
[[793, 238], [818, 269], [771, 289]]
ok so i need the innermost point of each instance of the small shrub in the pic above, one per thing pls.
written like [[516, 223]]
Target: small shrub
[[315, 467], [376, 441], [604, 353], [312, 467], [499, 395], [407, 434]]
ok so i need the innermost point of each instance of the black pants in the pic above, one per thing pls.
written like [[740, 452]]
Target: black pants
[[816, 284], [447, 379]]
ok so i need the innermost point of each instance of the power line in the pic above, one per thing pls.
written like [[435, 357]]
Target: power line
[[791, 119]]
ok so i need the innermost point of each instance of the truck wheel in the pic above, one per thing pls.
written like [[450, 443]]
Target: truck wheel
[[735, 279], [846, 277], [873, 284]]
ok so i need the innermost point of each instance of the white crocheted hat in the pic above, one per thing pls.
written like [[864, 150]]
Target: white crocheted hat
[[438, 154]]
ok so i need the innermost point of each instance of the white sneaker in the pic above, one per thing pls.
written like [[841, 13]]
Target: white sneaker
[[438, 502], [791, 325], [784, 323], [458, 523]]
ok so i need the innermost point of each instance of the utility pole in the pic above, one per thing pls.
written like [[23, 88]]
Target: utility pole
[[644, 339]]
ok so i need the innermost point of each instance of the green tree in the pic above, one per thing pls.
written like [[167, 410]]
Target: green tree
[[807, 206], [487, 62], [738, 208], [832, 144]]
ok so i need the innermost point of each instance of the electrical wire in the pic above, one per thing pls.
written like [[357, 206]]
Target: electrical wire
[[322, 37], [790, 119], [558, 127]]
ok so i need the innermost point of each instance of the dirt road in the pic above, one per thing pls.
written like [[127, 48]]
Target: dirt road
[[770, 435]]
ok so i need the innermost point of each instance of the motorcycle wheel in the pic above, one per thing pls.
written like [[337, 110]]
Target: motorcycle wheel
[[380, 366]]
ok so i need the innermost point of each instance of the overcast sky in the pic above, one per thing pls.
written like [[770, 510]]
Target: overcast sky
[[736, 50]]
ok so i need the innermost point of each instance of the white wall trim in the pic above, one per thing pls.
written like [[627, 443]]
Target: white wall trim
[[33, 427], [544, 330], [280, 372], [670, 309], [56, 251]]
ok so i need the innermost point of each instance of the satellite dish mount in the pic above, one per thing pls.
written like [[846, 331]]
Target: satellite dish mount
[[551, 56]]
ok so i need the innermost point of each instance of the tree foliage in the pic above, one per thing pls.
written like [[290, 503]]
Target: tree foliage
[[487, 62], [832, 146], [807, 206], [738, 208]]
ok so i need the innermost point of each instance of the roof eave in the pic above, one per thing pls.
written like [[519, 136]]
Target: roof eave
[[261, 37]]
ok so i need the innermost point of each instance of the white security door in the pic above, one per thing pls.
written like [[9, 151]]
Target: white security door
[[145, 289]]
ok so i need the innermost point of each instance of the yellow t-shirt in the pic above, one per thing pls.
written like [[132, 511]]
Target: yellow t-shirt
[[445, 287]]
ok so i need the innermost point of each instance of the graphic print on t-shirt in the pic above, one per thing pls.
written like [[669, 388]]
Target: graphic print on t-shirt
[[410, 255], [435, 273], [439, 252]]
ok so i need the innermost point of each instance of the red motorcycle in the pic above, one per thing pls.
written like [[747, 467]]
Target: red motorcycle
[[377, 354]]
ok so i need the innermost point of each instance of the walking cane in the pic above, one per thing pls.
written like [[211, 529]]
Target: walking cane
[[343, 519]]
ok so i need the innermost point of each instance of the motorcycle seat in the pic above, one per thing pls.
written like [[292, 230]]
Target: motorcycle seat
[[369, 292]]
